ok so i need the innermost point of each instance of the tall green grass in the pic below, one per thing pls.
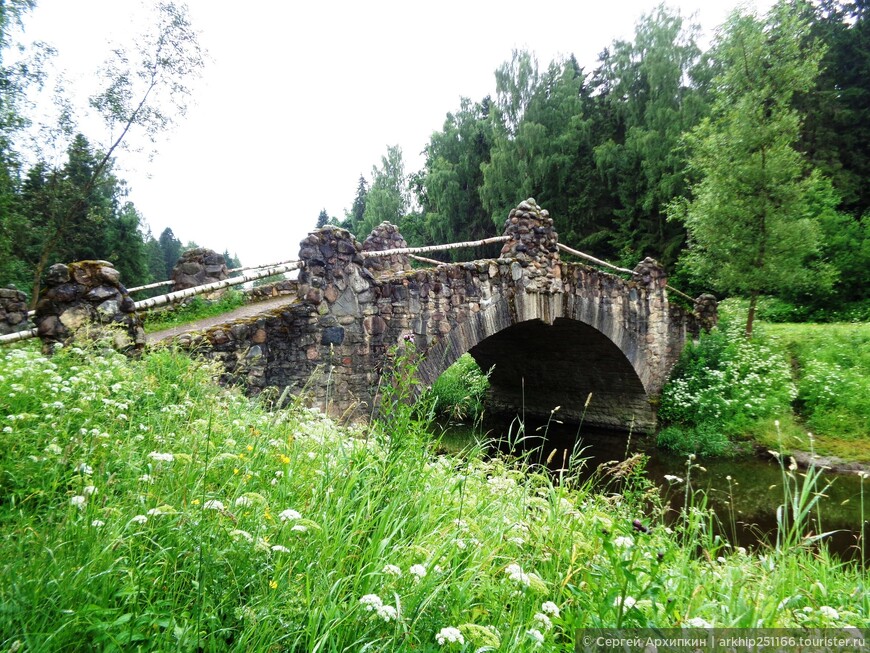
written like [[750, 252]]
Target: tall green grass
[[143, 508], [460, 391]]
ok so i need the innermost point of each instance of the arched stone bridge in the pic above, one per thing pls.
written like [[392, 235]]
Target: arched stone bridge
[[554, 332]]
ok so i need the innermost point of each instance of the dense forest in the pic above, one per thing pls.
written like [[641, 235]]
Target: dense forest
[[78, 210], [744, 169]]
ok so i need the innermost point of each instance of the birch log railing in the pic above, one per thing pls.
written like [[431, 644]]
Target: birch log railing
[[435, 248], [162, 300]]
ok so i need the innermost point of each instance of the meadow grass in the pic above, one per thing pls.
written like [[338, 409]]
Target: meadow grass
[[144, 508]]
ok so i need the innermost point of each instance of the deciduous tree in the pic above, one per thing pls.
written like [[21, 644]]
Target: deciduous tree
[[751, 220]]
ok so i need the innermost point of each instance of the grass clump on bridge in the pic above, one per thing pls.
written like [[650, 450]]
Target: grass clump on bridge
[[146, 508], [191, 310]]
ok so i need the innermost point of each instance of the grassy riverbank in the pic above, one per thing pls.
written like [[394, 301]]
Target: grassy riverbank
[[804, 387], [143, 507]]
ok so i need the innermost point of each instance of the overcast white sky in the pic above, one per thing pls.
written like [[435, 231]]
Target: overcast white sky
[[300, 98]]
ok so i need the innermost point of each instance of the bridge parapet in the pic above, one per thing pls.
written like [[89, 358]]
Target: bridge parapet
[[556, 331]]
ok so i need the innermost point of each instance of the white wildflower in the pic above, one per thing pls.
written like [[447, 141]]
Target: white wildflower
[[98, 523], [280, 549], [242, 502], [371, 602], [516, 574], [84, 468], [289, 515], [548, 607], [213, 504], [237, 533], [161, 457], [146, 478], [543, 620], [386, 612], [89, 490], [670, 478], [299, 528], [627, 602], [449, 635], [623, 541], [417, 570], [536, 635], [139, 519], [829, 612], [392, 570], [78, 501]]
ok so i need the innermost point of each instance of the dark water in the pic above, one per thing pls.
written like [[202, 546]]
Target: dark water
[[745, 505]]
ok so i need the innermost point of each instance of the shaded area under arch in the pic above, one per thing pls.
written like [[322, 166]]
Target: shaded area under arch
[[537, 367]]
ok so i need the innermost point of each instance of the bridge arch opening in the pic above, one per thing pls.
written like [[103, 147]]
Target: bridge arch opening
[[537, 366]]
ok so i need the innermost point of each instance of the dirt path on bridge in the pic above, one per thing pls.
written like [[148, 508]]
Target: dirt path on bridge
[[242, 312]]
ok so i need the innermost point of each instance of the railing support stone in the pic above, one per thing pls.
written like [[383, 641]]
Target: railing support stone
[[13, 311], [82, 299], [197, 267], [532, 248], [383, 237]]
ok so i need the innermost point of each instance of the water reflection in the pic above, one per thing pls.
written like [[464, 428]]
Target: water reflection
[[745, 493]]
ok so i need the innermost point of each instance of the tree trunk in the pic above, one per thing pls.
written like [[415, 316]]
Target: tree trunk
[[750, 319]]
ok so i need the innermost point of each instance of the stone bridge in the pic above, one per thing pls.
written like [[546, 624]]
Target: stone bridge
[[554, 333]]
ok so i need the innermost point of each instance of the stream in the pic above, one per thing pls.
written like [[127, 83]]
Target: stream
[[745, 505]]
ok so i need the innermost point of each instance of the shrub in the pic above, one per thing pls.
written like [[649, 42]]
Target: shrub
[[724, 384], [459, 392]]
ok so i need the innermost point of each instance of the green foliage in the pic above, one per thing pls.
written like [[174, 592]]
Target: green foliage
[[751, 219], [149, 509], [196, 308], [657, 92], [460, 390], [722, 386], [832, 368], [705, 440], [387, 199], [447, 186]]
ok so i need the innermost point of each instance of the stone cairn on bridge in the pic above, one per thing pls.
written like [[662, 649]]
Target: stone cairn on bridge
[[87, 298], [533, 248], [706, 310], [13, 311], [383, 237], [197, 267]]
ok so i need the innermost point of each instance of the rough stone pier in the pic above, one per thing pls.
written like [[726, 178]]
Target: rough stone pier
[[554, 332]]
